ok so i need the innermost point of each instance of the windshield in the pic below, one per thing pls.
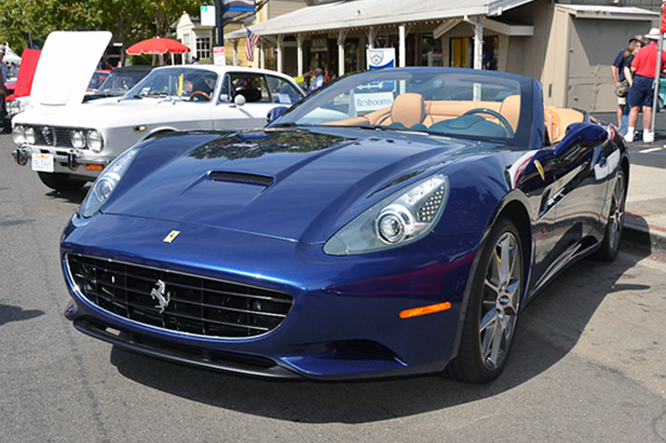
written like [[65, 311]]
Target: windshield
[[182, 83], [438, 101], [120, 81]]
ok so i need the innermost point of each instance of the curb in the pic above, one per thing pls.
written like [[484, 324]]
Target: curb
[[639, 233]]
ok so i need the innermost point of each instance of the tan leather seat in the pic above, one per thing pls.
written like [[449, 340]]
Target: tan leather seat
[[408, 109], [510, 109]]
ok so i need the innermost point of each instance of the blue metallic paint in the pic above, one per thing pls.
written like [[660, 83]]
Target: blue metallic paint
[[353, 298]]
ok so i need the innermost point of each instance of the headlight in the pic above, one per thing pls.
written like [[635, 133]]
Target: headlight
[[29, 135], [77, 138], [401, 218], [95, 140], [14, 107], [106, 183], [18, 133]]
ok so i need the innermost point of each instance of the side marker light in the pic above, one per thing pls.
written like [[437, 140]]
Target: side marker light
[[423, 310]]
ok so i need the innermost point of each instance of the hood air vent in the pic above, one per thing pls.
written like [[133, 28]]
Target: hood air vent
[[241, 177]]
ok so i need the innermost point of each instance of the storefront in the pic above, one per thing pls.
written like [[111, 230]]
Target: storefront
[[537, 38]]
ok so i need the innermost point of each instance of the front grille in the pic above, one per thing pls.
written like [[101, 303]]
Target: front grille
[[55, 136], [196, 305]]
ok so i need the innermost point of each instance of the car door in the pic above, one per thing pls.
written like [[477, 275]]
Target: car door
[[573, 201]]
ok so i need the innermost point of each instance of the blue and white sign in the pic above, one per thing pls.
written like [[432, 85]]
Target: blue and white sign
[[238, 5], [381, 58]]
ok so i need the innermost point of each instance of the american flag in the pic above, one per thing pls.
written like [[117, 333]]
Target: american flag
[[250, 43]]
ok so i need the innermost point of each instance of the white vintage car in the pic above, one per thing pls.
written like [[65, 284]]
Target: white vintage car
[[68, 143]]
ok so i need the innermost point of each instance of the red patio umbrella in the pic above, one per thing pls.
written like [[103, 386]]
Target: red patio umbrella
[[157, 46]]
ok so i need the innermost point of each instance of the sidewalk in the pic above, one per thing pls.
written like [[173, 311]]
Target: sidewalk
[[645, 216]]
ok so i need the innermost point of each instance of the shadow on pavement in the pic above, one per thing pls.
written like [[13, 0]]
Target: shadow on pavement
[[10, 313], [547, 331], [69, 196]]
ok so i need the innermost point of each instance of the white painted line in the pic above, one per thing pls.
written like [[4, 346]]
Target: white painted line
[[645, 151]]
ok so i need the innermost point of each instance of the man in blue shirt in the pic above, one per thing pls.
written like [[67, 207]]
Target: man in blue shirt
[[618, 76], [318, 80]]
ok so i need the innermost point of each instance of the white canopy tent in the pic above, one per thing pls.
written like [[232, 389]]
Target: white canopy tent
[[11, 56]]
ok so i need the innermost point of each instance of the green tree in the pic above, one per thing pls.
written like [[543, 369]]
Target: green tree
[[129, 20]]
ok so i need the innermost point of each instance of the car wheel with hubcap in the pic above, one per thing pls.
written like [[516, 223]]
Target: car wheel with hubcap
[[610, 245], [493, 306]]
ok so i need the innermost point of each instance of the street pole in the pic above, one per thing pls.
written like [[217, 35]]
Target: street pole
[[219, 22], [657, 69], [655, 86]]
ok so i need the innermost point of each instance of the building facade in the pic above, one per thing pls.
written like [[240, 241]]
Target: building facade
[[568, 45]]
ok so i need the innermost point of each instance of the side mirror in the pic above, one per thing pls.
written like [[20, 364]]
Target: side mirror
[[239, 100], [587, 135], [275, 113]]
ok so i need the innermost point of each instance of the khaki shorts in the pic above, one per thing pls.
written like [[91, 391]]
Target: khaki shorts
[[622, 100]]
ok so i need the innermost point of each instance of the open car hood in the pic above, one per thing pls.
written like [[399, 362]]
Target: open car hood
[[66, 65], [26, 74], [291, 185]]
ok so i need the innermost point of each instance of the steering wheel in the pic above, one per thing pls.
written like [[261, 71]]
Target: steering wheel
[[505, 123], [197, 94]]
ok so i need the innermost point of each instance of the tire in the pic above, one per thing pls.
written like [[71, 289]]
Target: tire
[[61, 182], [492, 309], [610, 245]]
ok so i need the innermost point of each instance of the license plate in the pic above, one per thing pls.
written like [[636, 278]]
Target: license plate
[[42, 162]]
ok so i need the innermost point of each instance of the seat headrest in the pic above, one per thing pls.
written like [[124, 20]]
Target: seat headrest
[[408, 109]]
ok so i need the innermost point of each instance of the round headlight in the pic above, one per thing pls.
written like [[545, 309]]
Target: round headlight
[[30, 135], [95, 140], [391, 228], [77, 138], [18, 133]]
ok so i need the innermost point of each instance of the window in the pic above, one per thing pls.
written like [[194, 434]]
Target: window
[[251, 86], [282, 92], [431, 51], [203, 46]]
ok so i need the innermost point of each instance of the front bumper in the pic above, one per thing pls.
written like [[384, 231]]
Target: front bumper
[[345, 322], [79, 163]]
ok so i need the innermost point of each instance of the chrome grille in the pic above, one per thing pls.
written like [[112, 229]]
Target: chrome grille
[[55, 136], [196, 305]]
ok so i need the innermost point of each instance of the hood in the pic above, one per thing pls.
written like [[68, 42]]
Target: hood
[[112, 112], [294, 185], [66, 65]]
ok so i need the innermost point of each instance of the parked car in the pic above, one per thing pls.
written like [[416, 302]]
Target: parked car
[[119, 81], [365, 232], [19, 98], [70, 147], [68, 142], [97, 79]]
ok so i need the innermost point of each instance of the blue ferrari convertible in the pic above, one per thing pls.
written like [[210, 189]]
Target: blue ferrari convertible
[[394, 222]]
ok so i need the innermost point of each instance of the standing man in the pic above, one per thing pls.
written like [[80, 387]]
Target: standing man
[[642, 91], [318, 80], [617, 69]]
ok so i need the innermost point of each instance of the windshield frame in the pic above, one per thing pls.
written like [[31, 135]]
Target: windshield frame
[[297, 115]]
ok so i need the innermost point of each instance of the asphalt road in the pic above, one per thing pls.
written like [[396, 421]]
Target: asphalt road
[[588, 364]]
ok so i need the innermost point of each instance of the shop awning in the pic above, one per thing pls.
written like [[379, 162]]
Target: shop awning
[[366, 13], [609, 12]]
